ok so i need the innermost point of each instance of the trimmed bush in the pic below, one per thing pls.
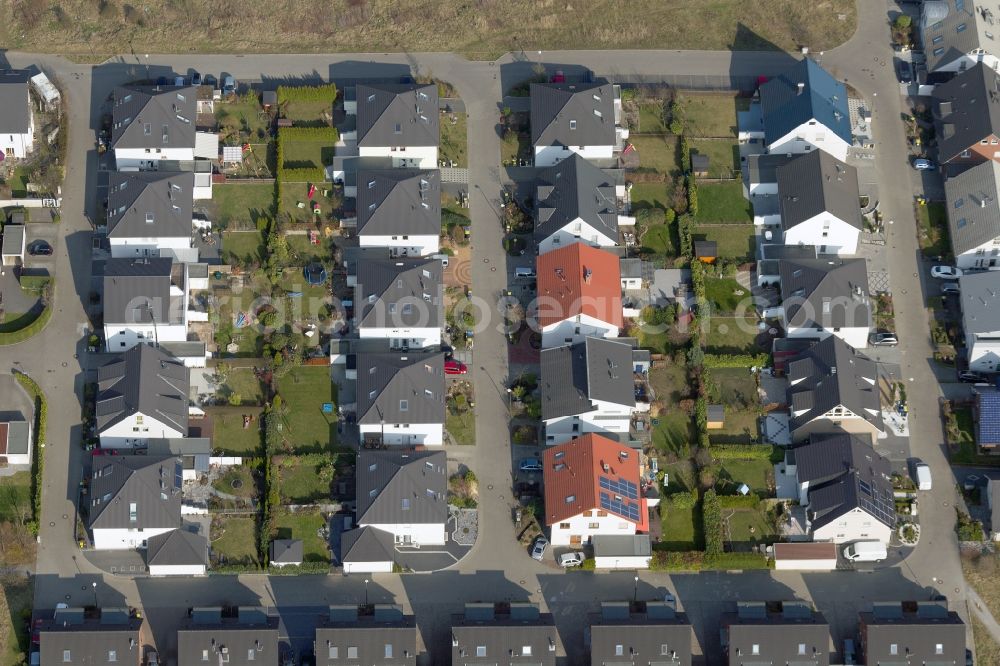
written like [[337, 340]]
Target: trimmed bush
[[35, 327], [694, 560], [736, 360], [737, 561], [325, 134], [302, 175], [326, 92], [742, 452], [38, 451], [683, 500], [711, 518], [749, 501]]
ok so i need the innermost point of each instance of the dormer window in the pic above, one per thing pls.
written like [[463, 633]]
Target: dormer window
[[397, 129], [572, 124], [147, 129], [149, 218]]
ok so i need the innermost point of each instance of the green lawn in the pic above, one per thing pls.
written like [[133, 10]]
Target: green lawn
[[318, 113], [967, 451], [758, 474], [709, 114], [748, 527], [293, 194], [462, 427], [735, 241], [649, 195], [299, 482], [659, 240], [15, 497], [514, 145], [454, 138], [674, 431], [15, 321], [293, 280], [19, 183], [723, 203], [243, 382], [723, 157], [732, 335], [228, 433], [302, 252], [234, 540], [725, 294], [658, 152], [736, 390], [240, 121], [305, 154], [932, 220], [303, 525], [651, 118], [245, 202], [680, 529], [242, 244], [236, 480], [16, 597], [304, 390]]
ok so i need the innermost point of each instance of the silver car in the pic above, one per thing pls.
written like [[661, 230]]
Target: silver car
[[538, 549]]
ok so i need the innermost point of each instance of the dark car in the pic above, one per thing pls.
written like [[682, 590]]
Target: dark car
[[974, 377], [196, 79], [905, 72], [40, 249]]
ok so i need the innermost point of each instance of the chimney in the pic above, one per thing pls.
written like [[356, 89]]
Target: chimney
[[802, 87]]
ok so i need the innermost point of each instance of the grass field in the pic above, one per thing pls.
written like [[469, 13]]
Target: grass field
[[233, 540], [247, 202], [462, 427], [299, 482], [304, 390], [981, 572], [659, 240], [932, 221], [454, 142], [15, 497], [736, 390], [236, 480], [242, 244], [651, 116], [513, 146], [240, 120], [723, 203], [732, 335], [309, 112], [305, 154], [724, 294], [723, 157], [758, 474], [657, 151], [303, 525], [748, 527], [735, 241], [243, 382], [710, 114], [229, 435], [674, 430], [649, 195], [987, 650], [15, 321], [16, 596], [680, 529]]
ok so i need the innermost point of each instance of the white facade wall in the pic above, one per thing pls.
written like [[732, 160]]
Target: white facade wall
[[762, 189], [606, 418], [631, 283], [406, 246], [136, 430], [368, 567], [546, 156], [827, 232], [18, 145], [422, 534], [968, 61], [145, 159], [415, 338], [586, 527], [417, 157], [622, 562], [177, 570], [571, 331], [127, 539], [122, 337], [576, 231], [855, 336], [811, 136], [805, 565], [408, 434], [984, 355], [129, 248], [20, 458], [855, 525], [986, 255]]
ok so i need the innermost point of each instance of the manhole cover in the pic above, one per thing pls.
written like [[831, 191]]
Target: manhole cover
[[65, 516], [490, 487], [52, 523], [65, 364]]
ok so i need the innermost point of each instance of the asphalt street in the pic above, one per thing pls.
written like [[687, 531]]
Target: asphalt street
[[496, 568]]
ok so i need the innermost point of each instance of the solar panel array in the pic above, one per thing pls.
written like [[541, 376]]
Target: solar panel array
[[626, 489], [879, 504], [989, 416], [621, 507]]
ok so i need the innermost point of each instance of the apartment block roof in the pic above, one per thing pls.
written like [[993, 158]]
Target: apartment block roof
[[151, 485], [973, 210], [399, 293], [815, 183], [825, 292], [137, 291], [574, 376], [15, 101], [915, 632], [966, 111], [400, 387]]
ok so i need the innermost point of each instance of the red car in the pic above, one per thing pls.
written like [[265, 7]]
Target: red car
[[453, 367]]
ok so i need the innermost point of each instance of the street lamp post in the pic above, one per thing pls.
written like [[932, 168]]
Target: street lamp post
[[635, 593], [366, 591], [94, 586]]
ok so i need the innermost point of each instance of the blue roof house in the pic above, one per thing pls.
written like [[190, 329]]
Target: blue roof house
[[806, 109], [988, 417]]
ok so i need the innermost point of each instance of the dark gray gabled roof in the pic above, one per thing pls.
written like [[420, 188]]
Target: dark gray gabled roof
[[572, 114], [177, 548], [137, 291], [574, 189], [207, 630], [148, 117], [384, 637], [393, 202], [367, 544], [397, 114], [818, 182], [802, 93], [400, 387], [763, 168], [831, 293], [658, 635], [966, 110], [144, 381], [152, 483], [980, 294], [402, 487], [952, 29], [112, 638], [973, 209], [286, 551], [407, 293], [15, 101], [795, 634], [845, 473], [150, 204], [573, 376], [831, 373], [916, 629], [499, 633]]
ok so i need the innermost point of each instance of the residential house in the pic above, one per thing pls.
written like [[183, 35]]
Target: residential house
[[150, 215], [762, 175], [142, 394], [846, 488], [986, 411], [980, 295], [911, 632], [507, 633], [400, 397], [17, 122], [592, 486], [775, 633], [579, 295], [151, 125], [133, 499], [404, 494], [399, 300], [178, 552], [15, 442], [771, 256], [398, 120], [833, 387], [194, 452], [648, 633], [956, 35], [824, 297], [248, 637], [818, 200], [974, 216], [285, 552], [400, 209], [805, 109], [992, 492], [367, 550], [98, 636], [587, 387], [383, 636], [631, 271], [575, 119], [577, 202], [967, 117]]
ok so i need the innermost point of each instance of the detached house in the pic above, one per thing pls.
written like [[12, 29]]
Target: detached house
[[92, 636], [775, 633], [956, 35], [587, 387], [133, 499], [17, 123], [832, 387], [400, 397], [400, 209], [621, 634], [150, 215], [383, 637], [974, 215], [579, 295], [824, 297], [575, 118], [398, 120], [141, 395], [399, 300], [911, 632], [805, 109], [981, 319], [576, 202], [150, 124], [592, 487], [404, 494], [507, 633], [246, 637], [846, 488], [967, 117], [818, 201]]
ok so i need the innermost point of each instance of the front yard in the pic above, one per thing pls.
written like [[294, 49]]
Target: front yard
[[308, 526], [932, 223], [454, 142], [304, 391], [234, 541]]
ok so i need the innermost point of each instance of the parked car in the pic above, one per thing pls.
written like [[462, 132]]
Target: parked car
[[946, 272], [40, 249], [453, 367], [974, 377], [179, 82], [923, 165], [228, 86], [195, 79], [530, 465], [905, 72], [950, 288], [866, 551], [922, 475], [538, 549], [883, 339], [571, 559]]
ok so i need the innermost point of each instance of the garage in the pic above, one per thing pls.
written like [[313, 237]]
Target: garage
[[805, 556]]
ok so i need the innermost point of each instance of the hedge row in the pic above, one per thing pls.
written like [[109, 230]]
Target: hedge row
[[735, 360], [35, 327], [324, 134], [749, 501], [303, 175], [694, 560], [38, 445], [711, 520], [326, 92], [742, 452], [683, 500]]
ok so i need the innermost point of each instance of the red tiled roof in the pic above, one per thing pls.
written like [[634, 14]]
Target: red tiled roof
[[572, 477], [579, 279]]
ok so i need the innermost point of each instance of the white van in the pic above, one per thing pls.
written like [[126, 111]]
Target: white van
[[866, 551], [524, 272], [922, 475]]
